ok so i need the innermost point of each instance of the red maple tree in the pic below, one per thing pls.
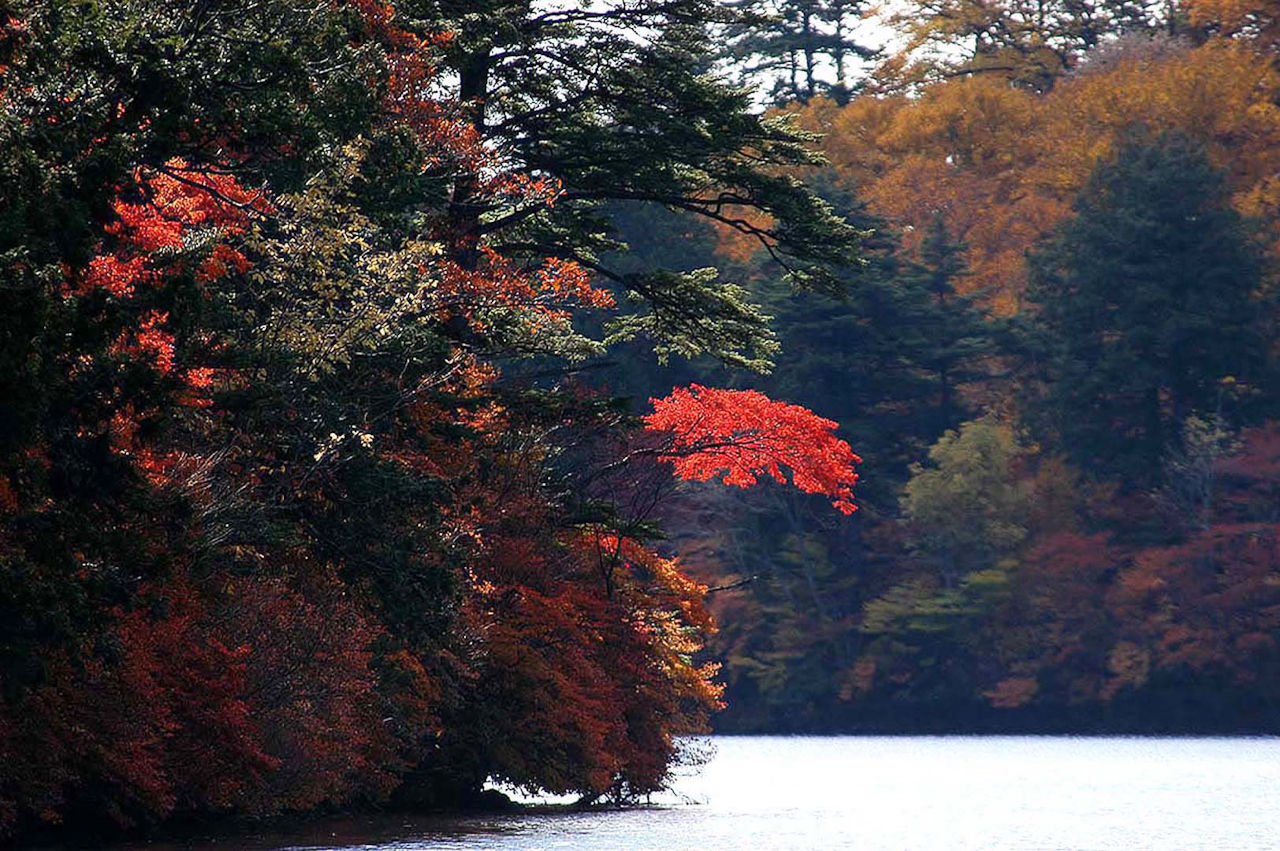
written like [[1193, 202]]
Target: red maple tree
[[739, 435]]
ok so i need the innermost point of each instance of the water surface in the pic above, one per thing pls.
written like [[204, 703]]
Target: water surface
[[894, 794]]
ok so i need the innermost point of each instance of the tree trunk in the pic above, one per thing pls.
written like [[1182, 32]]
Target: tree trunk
[[464, 212]]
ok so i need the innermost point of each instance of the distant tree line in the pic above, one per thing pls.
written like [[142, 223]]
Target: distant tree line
[[1058, 366]]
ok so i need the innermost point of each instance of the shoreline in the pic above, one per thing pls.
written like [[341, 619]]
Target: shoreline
[[364, 825]]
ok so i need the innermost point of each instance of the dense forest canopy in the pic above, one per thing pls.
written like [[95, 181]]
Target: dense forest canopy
[[367, 370], [1057, 366]]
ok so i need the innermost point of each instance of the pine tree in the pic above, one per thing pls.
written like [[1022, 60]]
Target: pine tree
[[802, 47], [943, 329], [889, 361], [616, 104], [1149, 310]]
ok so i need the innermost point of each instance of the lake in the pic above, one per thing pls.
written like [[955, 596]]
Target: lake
[[943, 793]]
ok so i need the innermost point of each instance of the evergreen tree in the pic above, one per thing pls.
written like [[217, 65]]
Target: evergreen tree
[[616, 104], [890, 359], [1149, 310], [788, 43], [93, 95], [943, 328]]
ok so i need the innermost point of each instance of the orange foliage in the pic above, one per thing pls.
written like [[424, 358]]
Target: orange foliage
[[498, 282], [1252, 474], [1013, 692], [586, 646], [1257, 20], [1002, 164]]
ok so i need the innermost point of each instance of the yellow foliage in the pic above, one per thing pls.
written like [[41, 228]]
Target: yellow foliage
[[1257, 18], [1129, 666], [1221, 93], [1025, 43], [1002, 164]]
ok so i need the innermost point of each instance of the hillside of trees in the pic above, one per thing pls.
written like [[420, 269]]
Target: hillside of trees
[[400, 396], [1058, 366]]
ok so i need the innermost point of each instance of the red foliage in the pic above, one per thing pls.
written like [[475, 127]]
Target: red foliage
[[237, 694], [1251, 476], [81, 733], [580, 643], [1065, 579], [587, 653], [741, 434], [1210, 605], [545, 290], [144, 247], [310, 682], [190, 685], [553, 705], [156, 214]]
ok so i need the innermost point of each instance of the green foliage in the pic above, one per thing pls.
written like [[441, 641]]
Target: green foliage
[[1149, 310], [967, 509], [916, 607], [943, 330], [577, 97], [330, 285], [724, 322]]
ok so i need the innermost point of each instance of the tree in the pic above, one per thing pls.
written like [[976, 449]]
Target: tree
[[893, 359], [1199, 613], [1148, 304], [740, 435], [176, 638], [875, 361], [1257, 20], [277, 531], [960, 619], [786, 42], [1003, 165], [950, 337], [616, 104], [110, 155], [1028, 44], [968, 510]]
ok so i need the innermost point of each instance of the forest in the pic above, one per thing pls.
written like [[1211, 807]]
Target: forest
[[397, 397]]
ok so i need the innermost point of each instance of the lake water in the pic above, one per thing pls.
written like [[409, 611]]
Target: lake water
[[945, 793]]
